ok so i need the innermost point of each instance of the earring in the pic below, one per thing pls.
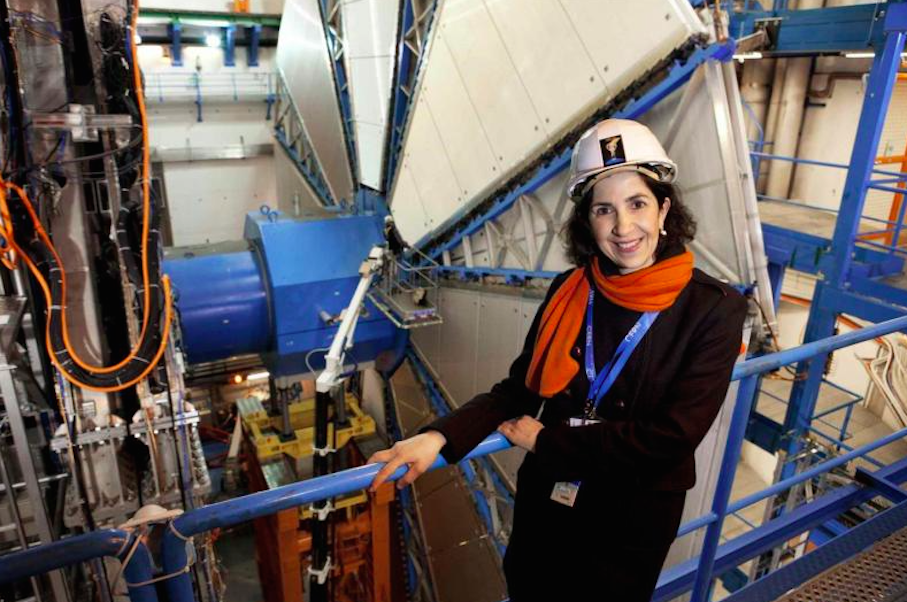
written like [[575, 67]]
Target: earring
[[664, 232]]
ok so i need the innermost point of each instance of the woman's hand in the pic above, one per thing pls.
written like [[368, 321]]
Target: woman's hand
[[521, 431], [417, 452]]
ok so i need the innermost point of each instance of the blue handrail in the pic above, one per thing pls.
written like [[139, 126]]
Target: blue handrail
[[223, 514], [113, 543]]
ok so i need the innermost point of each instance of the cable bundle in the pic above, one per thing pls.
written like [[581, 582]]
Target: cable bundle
[[43, 261]]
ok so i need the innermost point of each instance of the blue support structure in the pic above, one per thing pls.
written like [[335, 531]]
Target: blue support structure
[[230, 45], [253, 34], [831, 296], [467, 222], [175, 29], [330, 21], [815, 31], [410, 45]]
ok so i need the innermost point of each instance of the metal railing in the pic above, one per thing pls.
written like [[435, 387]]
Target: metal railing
[[892, 229], [696, 575], [164, 86]]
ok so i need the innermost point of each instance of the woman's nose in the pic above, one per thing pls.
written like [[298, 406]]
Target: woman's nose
[[622, 224]]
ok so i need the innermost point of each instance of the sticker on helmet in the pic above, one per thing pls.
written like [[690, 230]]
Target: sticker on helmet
[[612, 151]]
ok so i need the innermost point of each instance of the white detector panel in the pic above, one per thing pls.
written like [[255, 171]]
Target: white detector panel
[[579, 84], [302, 57], [471, 157], [494, 85], [625, 39], [369, 33], [430, 169], [412, 220], [504, 79]]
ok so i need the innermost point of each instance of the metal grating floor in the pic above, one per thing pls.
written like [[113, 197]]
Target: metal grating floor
[[877, 575]]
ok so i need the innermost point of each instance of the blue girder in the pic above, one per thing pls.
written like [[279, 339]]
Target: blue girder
[[815, 31], [341, 83], [403, 94]]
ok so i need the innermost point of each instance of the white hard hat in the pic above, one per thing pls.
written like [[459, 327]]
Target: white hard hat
[[388, 219], [615, 145], [150, 513]]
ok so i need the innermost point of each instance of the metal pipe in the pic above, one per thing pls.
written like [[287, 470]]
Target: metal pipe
[[112, 543], [41, 481], [786, 136], [772, 361]]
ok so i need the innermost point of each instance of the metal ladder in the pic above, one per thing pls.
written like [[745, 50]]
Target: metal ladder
[[11, 314]]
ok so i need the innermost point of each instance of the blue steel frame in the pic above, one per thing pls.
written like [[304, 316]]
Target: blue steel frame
[[679, 73], [696, 574], [836, 293], [230, 45], [336, 52], [175, 29], [254, 35], [406, 73], [815, 31]]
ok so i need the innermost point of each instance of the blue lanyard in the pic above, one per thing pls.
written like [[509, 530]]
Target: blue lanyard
[[601, 383]]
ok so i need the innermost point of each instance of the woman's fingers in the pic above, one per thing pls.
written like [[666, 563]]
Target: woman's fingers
[[386, 472], [414, 472], [380, 456]]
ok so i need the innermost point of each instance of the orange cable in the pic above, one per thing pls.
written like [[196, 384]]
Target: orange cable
[[9, 252]]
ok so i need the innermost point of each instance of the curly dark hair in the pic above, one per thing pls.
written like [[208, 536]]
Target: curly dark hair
[[579, 240]]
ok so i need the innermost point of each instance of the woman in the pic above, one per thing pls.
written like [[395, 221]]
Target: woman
[[629, 358]]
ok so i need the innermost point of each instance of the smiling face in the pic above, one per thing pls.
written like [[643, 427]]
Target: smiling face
[[626, 219]]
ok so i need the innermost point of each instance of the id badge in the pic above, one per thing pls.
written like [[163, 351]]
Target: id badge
[[565, 493], [583, 421]]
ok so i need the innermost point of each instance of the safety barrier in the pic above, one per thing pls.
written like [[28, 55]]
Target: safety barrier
[[696, 574]]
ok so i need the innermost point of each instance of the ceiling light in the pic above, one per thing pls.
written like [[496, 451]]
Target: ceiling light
[[212, 40], [746, 56], [237, 379], [859, 55], [258, 376]]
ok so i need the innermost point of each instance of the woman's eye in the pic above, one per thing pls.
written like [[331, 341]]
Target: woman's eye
[[639, 204], [601, 210]]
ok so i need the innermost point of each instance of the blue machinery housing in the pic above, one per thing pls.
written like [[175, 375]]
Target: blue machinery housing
[[273, 299], [695, 575]]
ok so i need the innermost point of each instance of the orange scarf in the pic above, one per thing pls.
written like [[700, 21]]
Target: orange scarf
[[650, 289]]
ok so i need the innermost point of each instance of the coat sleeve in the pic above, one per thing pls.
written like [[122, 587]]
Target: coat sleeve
[[668, 435], [468, 425]]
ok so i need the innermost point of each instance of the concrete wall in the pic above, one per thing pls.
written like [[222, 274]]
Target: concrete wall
[[209, 198], [829, 129]]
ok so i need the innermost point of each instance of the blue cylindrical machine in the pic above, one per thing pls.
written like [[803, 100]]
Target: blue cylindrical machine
[[271, 298], [222, 303]]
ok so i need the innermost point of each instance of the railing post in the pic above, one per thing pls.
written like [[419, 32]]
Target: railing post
[[746, 393]]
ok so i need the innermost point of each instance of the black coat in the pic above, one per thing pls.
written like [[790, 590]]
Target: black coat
[[635, 466]]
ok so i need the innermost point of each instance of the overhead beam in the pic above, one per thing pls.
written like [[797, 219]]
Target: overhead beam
[[815, 31]]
